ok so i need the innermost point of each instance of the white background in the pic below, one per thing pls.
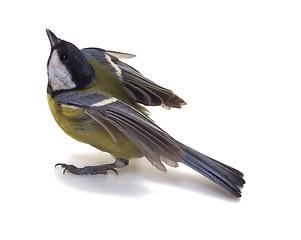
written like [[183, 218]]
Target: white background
[[236, 63]]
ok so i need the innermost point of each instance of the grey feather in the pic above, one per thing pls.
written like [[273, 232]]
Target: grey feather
[[140, 88], [120, 54], [149, 139]]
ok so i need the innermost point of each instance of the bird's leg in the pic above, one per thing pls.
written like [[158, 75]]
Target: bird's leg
[[93, 170]]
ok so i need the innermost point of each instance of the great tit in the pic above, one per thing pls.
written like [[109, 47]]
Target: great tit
[[96, 99]]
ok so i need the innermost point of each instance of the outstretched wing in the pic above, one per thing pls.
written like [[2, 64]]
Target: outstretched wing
[[149, 139], [139, 88]]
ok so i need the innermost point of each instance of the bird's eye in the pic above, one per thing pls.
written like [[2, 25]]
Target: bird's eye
[[64, 58]]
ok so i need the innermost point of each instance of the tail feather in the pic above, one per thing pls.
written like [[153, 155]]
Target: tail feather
[[225, 176]]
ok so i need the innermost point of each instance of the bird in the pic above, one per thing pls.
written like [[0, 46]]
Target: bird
[[97, 99]]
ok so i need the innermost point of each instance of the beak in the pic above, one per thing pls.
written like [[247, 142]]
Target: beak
[[52, 38]]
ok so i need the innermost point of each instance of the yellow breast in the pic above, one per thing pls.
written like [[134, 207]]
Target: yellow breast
[[83, 128]]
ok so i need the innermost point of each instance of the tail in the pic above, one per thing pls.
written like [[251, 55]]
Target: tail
[[225, 176]]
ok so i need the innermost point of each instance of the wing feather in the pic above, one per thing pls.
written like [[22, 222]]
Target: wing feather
[[149, 139], [140, 88]]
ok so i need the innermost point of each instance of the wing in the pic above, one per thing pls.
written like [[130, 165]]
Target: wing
[[120, 54], [149, 139], [139, 88]]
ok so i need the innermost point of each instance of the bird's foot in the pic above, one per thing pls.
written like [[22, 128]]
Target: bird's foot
[[93, 170]]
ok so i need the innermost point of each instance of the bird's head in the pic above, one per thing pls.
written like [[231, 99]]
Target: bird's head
[[67, 68]]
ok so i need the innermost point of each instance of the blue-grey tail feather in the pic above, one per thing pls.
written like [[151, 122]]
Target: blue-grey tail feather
[[225, 176]]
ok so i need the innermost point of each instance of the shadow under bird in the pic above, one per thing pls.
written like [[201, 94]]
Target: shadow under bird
[[97, 99]]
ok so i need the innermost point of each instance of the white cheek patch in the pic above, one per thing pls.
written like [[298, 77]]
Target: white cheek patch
[[58, 75]]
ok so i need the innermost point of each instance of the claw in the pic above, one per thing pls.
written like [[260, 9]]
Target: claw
[[59, 164], [63, 165], [114, 170]]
